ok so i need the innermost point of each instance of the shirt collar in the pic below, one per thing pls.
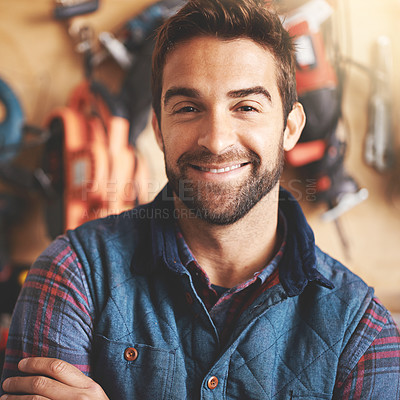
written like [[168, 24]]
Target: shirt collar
[[298, 265], [187, 256]]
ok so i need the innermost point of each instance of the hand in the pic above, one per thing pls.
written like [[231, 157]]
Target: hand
[[52, 380]]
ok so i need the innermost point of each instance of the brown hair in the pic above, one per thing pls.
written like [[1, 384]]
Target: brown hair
[[228, 19]]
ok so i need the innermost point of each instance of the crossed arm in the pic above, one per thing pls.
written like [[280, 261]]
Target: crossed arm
[[51, 379], [55, 282]]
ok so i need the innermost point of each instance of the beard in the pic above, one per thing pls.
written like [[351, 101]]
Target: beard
[[224, 203]]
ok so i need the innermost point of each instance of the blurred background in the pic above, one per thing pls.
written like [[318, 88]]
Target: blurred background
[[75, 142]]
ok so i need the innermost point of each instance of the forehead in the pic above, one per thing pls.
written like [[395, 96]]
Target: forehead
[[208, 62]]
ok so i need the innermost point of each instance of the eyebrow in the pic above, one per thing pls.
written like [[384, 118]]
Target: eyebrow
[[193, 93], [180, 91], [248, 91]]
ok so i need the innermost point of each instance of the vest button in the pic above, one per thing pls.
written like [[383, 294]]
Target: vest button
[[212, 382], [130, 354]]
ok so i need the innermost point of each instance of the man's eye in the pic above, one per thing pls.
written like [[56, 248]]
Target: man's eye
[[247, 108], [186, 109]]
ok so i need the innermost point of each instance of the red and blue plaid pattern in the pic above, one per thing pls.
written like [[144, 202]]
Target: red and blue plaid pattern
[[378, 332], [56, 295], [56, 298], [225, 310]]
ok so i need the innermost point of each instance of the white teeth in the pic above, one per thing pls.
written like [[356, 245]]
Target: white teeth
[[219, 170]]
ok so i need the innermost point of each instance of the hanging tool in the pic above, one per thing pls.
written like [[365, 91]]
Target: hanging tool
[[132, 48], [92, 168], [13, 138], [71, 8], [379, 141], [116, 49], [320, 152], [11, 124]]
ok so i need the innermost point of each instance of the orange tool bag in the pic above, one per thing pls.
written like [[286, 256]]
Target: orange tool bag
[[93, 169]]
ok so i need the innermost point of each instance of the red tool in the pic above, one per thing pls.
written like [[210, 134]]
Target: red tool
[[320, 152], [93, 168]]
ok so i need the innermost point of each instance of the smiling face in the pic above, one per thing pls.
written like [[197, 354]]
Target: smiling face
[[222, 130]]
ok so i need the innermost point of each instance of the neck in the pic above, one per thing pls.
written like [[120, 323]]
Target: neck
[[232, 254]]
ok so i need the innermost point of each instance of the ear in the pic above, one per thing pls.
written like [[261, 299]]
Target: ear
[[294, 126], [157, 131]]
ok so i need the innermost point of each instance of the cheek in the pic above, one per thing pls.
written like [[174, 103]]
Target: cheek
[[264, 142], [178, 140], [174, 147]]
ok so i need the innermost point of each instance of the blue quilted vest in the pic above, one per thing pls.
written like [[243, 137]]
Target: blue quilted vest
[[154, 338]]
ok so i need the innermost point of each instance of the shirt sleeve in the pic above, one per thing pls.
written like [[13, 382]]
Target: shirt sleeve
[[53, 314], [369, 367]]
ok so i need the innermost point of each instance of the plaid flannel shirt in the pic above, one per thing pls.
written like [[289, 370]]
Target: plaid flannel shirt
[[60, 304]]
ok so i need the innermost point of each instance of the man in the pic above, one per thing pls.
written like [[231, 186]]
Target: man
[[216, 289]]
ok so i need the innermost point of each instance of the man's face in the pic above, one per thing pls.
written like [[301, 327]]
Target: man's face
[[221, 126]]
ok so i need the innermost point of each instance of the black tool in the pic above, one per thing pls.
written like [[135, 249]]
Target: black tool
[[71, 8]]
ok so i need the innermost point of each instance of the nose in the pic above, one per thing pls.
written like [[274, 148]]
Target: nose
[[217, 133]]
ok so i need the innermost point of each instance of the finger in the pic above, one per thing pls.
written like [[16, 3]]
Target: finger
[[22, 397], [57, 369], [49, 389], [32, 385]]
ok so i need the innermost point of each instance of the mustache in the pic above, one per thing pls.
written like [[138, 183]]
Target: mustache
[[204, 156]]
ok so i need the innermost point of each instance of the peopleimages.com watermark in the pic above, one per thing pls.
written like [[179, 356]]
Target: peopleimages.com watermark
[[115, 193], [115, 190]]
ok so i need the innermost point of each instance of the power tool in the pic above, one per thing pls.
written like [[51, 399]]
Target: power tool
[[93, 169], [320, 152]]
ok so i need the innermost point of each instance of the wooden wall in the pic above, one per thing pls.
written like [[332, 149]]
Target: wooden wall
[[37, 58]]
